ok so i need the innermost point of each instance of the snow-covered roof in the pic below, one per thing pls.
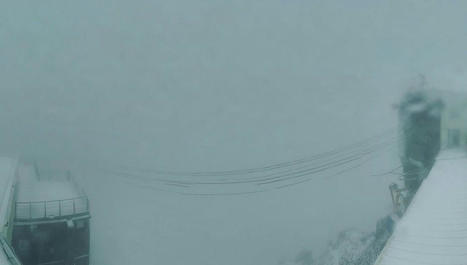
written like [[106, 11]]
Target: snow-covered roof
[[418, 107], [35, 188], [40, 196], [7, 182], [434, 227], [421, 100]]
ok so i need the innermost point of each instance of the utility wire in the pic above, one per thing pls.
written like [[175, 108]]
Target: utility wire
[[131, 179], [274, 177], [285, 174], [358, 144]]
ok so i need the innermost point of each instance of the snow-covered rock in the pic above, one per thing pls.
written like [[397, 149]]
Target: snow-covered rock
[[351, 247], [347, 248]]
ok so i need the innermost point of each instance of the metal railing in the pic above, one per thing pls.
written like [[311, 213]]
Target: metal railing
[[51, 209]]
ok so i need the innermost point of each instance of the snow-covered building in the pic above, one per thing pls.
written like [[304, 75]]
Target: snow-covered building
[[431, 119], [453, 127], [420, 115], [51, 218], [432, 231], [454, 119]]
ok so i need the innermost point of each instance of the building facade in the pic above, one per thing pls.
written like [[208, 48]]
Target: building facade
[[454, 120]]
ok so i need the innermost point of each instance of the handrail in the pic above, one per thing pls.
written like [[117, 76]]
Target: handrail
[[51, 209], [9, 252]]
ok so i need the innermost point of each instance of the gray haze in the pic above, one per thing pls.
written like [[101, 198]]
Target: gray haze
[[215, 85]]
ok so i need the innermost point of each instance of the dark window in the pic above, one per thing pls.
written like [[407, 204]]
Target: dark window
[[41, 244]]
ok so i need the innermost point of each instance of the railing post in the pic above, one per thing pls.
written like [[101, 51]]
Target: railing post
[[60, 208], [74, 207], [45, 209], [30, 211]]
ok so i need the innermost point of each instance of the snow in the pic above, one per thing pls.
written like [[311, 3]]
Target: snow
[[349, 246], [415, 108], [32, 188], [347, 249], [40, 196], [433, 230]]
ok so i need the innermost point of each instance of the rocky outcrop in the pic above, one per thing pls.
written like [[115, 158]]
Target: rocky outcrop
[[351, 247]]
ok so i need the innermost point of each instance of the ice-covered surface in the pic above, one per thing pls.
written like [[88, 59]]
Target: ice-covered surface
[[7, 170], [32, 188], [434, 228]]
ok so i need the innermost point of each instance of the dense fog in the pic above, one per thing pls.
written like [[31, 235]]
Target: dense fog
[[102, 86]]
